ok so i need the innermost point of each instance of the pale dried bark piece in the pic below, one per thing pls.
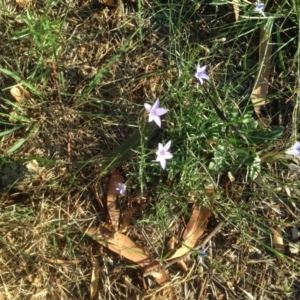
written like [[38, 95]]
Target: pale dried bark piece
[[277, 241], [94, 278], [236, 9], [261, 88], [194, 230], [124, 246], [23, 3], [19, 93]]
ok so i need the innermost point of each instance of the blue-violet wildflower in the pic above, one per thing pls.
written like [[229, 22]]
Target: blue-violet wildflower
[[294, 150], [155, 112], [163, 153], [200, 73], [259, 7], [202, 254], [121, 188]]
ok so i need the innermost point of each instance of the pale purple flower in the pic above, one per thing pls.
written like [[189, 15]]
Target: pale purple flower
[[121, 188], [155, 112], [294, 150], [260, 8], [202, 254], [163, 153], [200, 73]]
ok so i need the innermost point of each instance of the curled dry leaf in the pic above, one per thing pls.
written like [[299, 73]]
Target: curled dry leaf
[[112, 194], [19, 93], [124, 246], [194, 230]]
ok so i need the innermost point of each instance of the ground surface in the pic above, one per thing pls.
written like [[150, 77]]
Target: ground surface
[[85, 71]]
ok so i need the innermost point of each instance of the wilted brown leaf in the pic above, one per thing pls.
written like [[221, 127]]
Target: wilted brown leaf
[[19, 93], [111, 3], [193, 231], [124, 246], [112, 194]]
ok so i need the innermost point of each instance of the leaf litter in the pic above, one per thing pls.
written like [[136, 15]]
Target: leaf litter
[[122, 245]]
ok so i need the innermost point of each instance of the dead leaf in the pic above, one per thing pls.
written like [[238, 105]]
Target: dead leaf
[[110, 3], [277, 241], [94, 278], [19, 93], [194, 230], [260, 90], [124, 246], [112, 195], [126, 220], [23, 3]]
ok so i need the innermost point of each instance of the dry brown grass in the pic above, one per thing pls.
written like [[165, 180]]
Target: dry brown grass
[[47, 185]]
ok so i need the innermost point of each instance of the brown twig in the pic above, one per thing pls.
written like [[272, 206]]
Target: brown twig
[[203, 289]]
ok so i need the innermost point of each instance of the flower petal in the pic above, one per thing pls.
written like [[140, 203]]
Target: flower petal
[[200, 79], [160, 147], [151, 117], [157, 120], [293, 152], [204, 76], [156, 105], [160, 111], [201, 69], [147, 106], [168, 155], [296, 146], [167, 146], [162, 162]]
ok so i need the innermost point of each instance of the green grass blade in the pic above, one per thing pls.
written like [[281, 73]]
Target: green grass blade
[[127, 148], [3, 133], [17, 145]]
